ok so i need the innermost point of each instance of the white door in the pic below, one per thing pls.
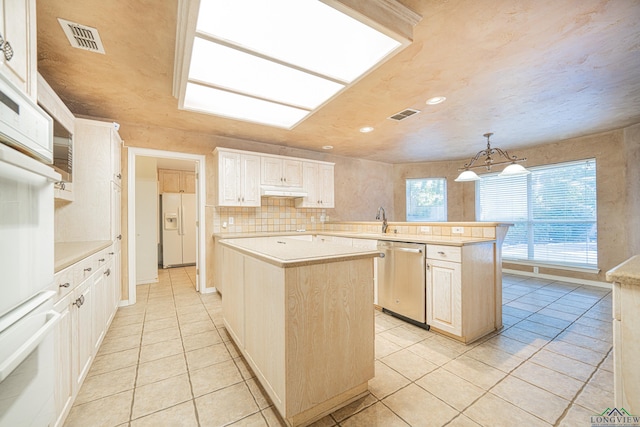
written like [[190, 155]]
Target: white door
[[188, 228], [146, 232], [171, 238]]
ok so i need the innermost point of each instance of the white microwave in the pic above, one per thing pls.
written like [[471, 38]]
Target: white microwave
[[23, 124]]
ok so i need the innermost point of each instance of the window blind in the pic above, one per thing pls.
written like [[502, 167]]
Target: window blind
[[553, 210]]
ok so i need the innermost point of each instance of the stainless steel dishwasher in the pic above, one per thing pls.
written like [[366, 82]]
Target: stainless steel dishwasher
[[401, 280]]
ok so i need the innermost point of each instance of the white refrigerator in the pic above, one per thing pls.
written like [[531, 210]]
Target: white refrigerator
[[178, 229]]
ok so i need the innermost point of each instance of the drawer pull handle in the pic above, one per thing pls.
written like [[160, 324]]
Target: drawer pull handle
[[79, 301], [108, 272], [87, 269], [440, 252], [112, 253], [101, 260], [65, 285]]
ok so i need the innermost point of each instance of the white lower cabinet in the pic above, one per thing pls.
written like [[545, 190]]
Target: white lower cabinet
[[64, 355], [444, 283], [461, 290], [88, 296]]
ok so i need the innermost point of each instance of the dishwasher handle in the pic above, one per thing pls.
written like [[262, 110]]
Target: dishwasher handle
[[413, 251]]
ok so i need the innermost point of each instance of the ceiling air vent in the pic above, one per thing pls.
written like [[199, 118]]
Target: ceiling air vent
[[404, 114], [81, 36]]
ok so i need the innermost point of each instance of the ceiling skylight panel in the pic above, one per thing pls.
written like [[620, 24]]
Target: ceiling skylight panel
[[231, 105], [306, 33], [238, 71]]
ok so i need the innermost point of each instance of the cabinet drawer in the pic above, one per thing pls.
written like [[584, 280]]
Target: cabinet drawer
[[85, 268], [63, 283], [447, 253]]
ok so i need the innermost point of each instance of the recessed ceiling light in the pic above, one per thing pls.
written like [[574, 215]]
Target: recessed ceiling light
[[327, 147], [435, 100], [366, 129]]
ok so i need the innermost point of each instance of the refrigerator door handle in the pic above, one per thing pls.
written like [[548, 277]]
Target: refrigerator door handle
[[180, 221]]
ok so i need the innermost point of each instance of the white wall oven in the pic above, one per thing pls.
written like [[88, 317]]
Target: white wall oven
[[26, 266]]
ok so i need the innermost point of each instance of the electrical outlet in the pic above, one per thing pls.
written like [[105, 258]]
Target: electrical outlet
[[457, 230], [425, 229], [230, 220], [536, 270], [224, 224], [313, 219], [323, 218]]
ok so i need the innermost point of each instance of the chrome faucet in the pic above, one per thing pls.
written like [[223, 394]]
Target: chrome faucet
[[384, 219]]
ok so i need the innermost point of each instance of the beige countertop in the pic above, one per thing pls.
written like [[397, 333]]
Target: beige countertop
[[68, 253], [284, 252], [628, 272], [413, 238]]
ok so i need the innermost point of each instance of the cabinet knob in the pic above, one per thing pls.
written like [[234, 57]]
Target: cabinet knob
[[119, 237], [243, 199], [8, 51], [65, 285], [112, 253], [428, 267], [119, 176], [101, 260], [108, 272], [87, 269], [238, 198], [440, 253], [79, 301]]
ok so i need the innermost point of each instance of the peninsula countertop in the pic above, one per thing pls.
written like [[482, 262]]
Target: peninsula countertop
[[285, 252], [413, 238]]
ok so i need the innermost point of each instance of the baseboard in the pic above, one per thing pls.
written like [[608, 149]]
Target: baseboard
[[595, 283], [147, 282]]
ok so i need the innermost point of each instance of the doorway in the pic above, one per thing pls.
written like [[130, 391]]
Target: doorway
[[139, 198]]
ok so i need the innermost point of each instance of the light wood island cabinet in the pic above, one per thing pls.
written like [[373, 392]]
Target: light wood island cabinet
[[302, 315]]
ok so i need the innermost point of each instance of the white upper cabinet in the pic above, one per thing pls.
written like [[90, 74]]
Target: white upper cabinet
[[238, 178], [18, 51], [319, 184], [241, 174], [281, 172]]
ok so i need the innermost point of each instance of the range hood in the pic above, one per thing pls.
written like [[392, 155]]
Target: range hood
[[269, 191]]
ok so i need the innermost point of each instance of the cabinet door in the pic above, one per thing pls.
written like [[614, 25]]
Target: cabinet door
[[325, 186], [82, 318], [228, 179], [18, 17], [271, 171], [116, 217], [169, 181], [188, 182], [98, 320], [116, 274], [116, 162], [292, 171], [444, 296], [250, 181], [64, 356], [310, 185]]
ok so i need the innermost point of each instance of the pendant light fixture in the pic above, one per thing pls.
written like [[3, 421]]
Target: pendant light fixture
[[513, 169]]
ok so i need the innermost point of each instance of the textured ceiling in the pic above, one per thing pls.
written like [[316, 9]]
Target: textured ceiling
[[530, 71]]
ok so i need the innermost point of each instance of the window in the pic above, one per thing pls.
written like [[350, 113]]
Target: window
[[427, 199], [553, 210]]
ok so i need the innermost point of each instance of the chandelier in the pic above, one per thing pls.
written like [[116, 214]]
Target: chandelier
[[513, 169]]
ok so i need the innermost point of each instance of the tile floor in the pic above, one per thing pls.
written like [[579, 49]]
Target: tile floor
[[168, 361]]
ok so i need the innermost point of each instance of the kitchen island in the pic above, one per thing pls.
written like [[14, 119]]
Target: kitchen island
[[301, 313]]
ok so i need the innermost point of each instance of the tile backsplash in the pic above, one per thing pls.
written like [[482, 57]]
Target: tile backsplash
[[275, 215]]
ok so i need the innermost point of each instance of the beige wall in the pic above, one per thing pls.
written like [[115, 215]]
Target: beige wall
[[617, 155], [361, 185]]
